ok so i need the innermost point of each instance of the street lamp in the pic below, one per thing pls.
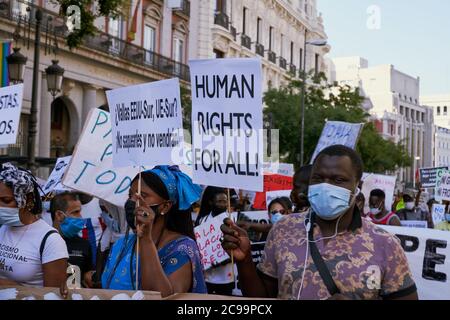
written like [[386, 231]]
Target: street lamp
[[54, 78], [16, 66], [316, 43], [414, 169]]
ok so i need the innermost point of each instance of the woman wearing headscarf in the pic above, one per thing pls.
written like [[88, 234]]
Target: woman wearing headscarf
[[169, 259], [32, 253]]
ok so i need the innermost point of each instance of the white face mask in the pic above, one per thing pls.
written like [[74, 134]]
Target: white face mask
[[10, 217], [409, 205], [375, 211]]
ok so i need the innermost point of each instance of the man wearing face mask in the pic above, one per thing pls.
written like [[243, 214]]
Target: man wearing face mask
[[65, 210], [413, 211], [378, 213], [328, 252]]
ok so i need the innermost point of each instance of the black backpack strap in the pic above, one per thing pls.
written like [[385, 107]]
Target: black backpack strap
[[41, 249], [318, 261]]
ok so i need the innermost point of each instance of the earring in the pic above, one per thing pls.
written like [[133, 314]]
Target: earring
[[29, 206]]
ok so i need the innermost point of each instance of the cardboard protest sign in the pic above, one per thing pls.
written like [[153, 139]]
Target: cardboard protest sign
[[146, 123], [10, 108], [414, 223], [442, 185], [91, 169], [378, 181], [428, 254], [271, 195], [272, 182], [438, 213], [428, 176], [284, 169], [227, 123], [337, 132], [54, 180], [208, 236]]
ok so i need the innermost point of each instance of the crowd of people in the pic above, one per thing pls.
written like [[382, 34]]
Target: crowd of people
[[321, 242]]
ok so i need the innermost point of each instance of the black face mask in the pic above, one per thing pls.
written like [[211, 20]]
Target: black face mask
[[216, 211], [130, 207]]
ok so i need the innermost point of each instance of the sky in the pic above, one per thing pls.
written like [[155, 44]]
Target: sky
[[412, 35]]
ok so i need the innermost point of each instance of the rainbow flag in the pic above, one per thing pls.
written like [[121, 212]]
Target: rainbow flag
[[5, 50]]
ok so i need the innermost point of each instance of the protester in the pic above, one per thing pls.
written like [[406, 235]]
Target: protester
[[354, 250], [299, 194], [31, 252], [378, 213], [219, 278], [169, 259], [65, 210], [412, 211], [361, 203], [278, 208]]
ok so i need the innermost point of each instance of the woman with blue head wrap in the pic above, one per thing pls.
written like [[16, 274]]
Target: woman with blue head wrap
[[169, 259]]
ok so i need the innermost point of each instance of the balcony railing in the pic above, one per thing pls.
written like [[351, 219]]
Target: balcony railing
[[246, 41], [15, 10], [222, 20], [233, 32], [272, 56], [283, 63], [259, 49], [185, 8]]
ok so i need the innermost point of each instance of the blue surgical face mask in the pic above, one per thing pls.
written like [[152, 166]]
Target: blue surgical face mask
[[71, 227], [275, 217], [10, 217], [328, 201]]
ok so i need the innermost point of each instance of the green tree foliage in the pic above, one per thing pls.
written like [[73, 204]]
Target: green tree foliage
[[328, 102]]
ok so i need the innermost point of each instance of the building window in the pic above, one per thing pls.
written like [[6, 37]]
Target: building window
[[218, 54], [407, 113], [292, 52], [316, 64], [221, 6], [258, 30], [115, 30], [178, 50], [244, 20], [401, 110], [445, 111], [149, 43], [282, 46], [270, 38], [423, 116], [301, 59], [438, 110]]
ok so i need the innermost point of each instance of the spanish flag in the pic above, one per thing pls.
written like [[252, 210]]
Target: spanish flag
[[5, 50], [133, 25]]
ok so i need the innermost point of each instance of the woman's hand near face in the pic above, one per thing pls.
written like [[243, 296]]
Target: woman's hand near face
[[145, 217]]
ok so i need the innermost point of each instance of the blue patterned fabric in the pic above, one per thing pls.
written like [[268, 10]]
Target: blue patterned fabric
[[172, 256], [180, 187]]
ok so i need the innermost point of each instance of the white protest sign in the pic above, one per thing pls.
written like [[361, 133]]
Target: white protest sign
[[146, 123], [54, 180], [208, 236], [10, 108], [428, 254], [271, 195], [438, 213], [91, 169], [284, 169], [378, 181], [337, 132], [443, 185], [414, 223], [227, 123]]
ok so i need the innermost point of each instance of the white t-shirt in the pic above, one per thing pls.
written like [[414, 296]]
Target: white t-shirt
[[220, 274], [20, 259]]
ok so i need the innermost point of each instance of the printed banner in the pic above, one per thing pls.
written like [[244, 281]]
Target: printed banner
[[272, 182], [10, 108], [428, 176]]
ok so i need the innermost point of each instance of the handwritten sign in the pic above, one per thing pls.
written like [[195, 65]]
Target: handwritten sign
[[91, 169], [10, 109], [438, 213], [442, 185], [54, 180], [428, 176], [227, 123], [146, 123], [337, 132], [272, 182], [208, 236], [377, 181]]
